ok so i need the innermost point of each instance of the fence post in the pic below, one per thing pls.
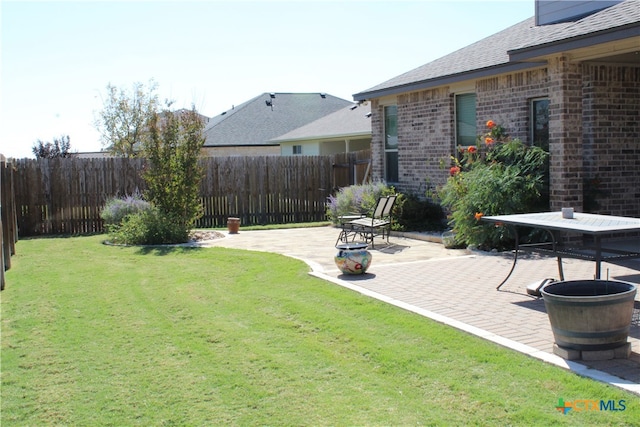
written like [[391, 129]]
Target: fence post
[[5, 237]]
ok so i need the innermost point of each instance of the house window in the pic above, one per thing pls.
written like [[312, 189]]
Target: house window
[[540, 123], [297, 149], [391, 143], [466, 119], [540, 138]]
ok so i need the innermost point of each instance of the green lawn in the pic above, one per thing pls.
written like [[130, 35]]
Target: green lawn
[[102, 335]]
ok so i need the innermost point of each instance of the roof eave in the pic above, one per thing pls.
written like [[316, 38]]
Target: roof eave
[[239, 145], [449, 79], [324, 137], [578, 42]]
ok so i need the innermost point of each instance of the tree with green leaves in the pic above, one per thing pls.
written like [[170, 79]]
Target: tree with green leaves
[[60, 147], [173, 175], [123, 122]]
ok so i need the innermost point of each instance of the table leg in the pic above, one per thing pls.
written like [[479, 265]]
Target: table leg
[[554, 244], [598, 257], [515, 257]]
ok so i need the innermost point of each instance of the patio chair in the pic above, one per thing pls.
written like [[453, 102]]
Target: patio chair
[[347, 230], [378, 225]]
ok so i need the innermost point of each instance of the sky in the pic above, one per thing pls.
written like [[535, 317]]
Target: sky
[[57, 57]]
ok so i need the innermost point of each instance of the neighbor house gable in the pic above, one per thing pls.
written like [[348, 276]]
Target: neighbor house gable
[[353, 121], [259, 120], [346, 130]]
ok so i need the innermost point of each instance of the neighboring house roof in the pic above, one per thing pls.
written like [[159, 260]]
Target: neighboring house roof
[[352, 121], [267, 116], [491, 55], [203, 118]]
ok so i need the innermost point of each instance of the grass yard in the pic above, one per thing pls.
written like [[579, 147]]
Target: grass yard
[[101, 335]]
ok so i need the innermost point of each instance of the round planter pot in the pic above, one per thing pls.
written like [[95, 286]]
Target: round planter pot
[[590, 315], [353, 258]]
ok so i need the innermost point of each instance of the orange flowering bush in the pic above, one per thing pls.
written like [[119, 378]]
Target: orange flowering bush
[[497, 176]]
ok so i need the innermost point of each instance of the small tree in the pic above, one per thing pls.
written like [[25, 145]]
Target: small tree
[[173, 174], [123, 122], [59, 148]]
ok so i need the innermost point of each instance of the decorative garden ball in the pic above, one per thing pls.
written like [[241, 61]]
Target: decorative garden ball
[[353, 258]]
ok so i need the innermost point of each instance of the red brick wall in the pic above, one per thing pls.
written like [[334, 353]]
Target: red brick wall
[[425, 139], [594, 131], [611, 123], [377, 141], [565, 133], [506, 100]]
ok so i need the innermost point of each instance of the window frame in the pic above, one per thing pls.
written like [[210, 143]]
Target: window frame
[[390, 149], [296, 150], [533, 122], [458, 139]]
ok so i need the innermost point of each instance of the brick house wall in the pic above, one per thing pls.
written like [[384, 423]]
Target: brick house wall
[[425, 139], [377, 141], [565, 133], [594, 131], [426, 126], [506, 100], [611, 139]]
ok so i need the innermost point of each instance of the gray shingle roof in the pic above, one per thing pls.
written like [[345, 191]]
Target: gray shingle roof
[[610, 19], [491, 54], [486, 53], [256, 123], [354, 120]]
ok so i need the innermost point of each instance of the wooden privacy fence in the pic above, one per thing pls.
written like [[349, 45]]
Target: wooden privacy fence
[[65, 196], [8, 226]]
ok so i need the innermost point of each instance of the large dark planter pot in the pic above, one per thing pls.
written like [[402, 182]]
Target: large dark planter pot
[[590, 315]]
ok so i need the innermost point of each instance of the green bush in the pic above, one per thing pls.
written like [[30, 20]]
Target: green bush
[[414, 214], [500, 177], [356, 199], [150, 227], [116, 209]]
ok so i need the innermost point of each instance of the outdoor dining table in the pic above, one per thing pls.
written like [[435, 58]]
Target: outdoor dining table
[[594, 225]]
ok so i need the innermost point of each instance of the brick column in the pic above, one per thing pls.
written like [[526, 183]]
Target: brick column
[[565, 133], [377, 141]]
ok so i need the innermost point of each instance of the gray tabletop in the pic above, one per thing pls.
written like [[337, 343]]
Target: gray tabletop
[[581, 222]]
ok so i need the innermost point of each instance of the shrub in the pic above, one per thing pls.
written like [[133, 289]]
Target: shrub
[[116, 209], [150, 227], [356, 199], [414, 214], [500, 177]]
